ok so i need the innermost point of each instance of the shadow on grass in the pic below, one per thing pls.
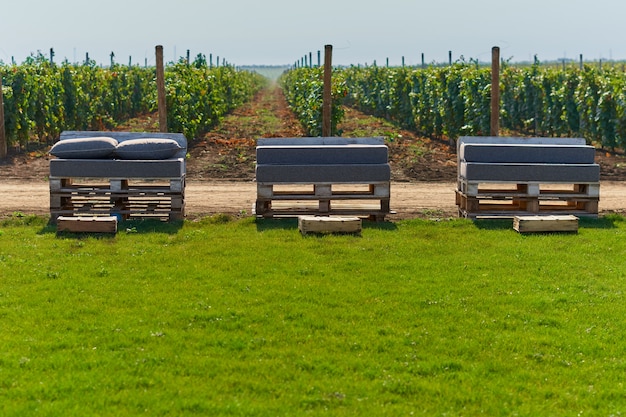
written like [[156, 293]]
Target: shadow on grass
[[379, 225], [291, 223], [139, 226], [143, 226], [604, 222], [18, 219], [494, 224], [287, 223]]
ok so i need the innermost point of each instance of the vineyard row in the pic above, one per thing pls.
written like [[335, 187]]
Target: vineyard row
[[455, 100], [41, 99]]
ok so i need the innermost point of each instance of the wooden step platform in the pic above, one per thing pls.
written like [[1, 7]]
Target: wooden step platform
[[161, 199], [534, 224], [87, 224], [327, 224]]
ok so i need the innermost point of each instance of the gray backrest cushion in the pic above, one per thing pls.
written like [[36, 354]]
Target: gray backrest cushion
[[98, 147], [322, 154], [124, 136], [316, 141], [147, 148]]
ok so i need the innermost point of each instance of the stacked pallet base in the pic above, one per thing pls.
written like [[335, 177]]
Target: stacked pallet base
[[157, 199], [476, 199], [362, 200]]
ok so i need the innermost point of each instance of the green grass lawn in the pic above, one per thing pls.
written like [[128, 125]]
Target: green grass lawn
[[249, 318]]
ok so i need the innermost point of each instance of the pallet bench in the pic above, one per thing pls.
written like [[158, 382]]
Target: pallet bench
[[506, 177], [125, 188], [322, 176]]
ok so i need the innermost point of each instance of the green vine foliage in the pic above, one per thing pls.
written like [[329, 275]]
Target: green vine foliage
[[443, 101], [304, 89], [455, 100], [198, 96], [41, 98]]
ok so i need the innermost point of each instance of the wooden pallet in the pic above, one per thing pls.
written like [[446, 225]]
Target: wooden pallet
[[163, 200], [498, 206], [505, 199], [285, 200]]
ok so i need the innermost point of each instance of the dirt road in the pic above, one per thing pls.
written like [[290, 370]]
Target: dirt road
[[408, 200]]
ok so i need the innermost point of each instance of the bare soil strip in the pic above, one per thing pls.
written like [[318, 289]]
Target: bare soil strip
[[236, 198]]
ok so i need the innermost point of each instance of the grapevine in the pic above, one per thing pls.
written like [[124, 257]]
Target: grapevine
[[41, 98]]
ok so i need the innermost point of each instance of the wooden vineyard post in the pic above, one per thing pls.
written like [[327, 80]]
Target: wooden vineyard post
[[495, 91], [327, 95], [581, 62], [3, 138], [160, 74]]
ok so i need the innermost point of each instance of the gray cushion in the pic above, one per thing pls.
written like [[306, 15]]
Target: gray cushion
[[546, 173], [322, 154], [147, 148], [85, 148], [317, 141], [115, 168], [310, 173], [532, 154]]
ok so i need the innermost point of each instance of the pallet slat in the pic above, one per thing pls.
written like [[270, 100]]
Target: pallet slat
[[527, 189], [356, 211]]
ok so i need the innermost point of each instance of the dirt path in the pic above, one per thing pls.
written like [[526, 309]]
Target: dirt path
[[408, 200], [237, 198]]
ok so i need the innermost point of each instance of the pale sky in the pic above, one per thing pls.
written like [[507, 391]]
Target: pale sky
[[276, 32]]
